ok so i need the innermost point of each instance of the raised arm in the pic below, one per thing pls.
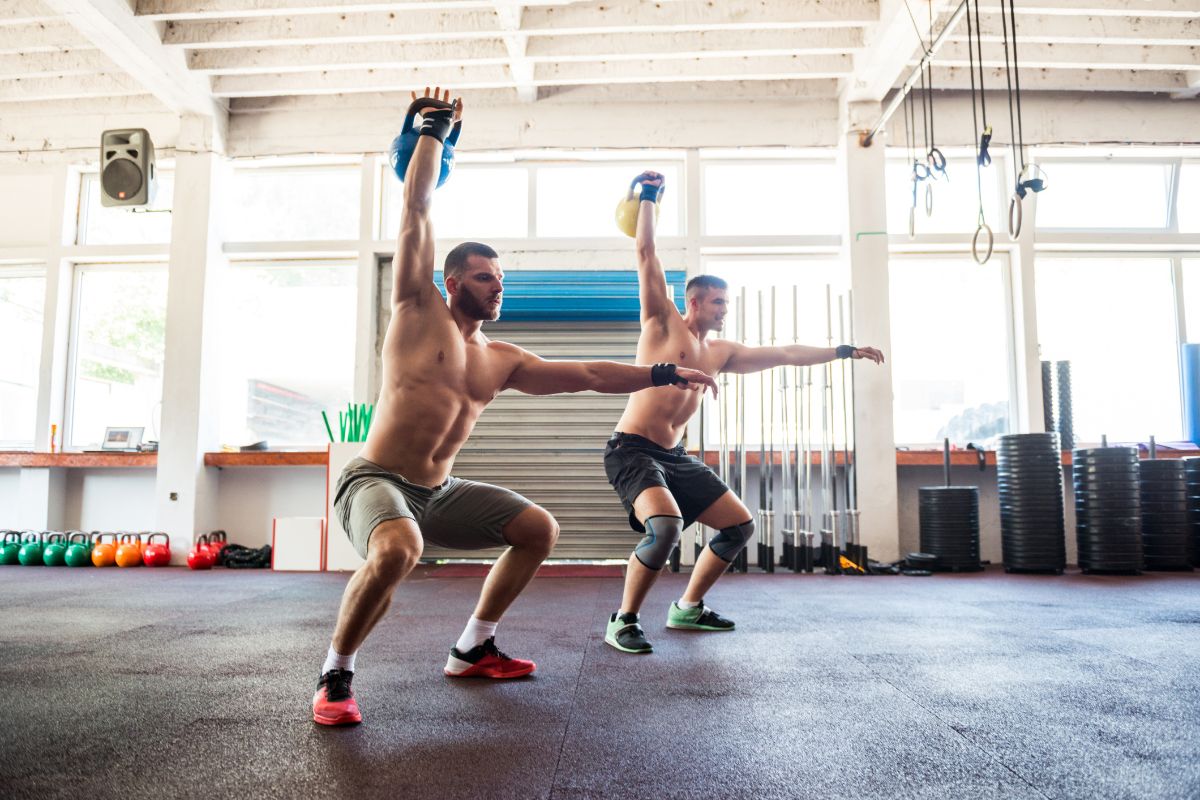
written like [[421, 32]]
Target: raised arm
[[535, 375], [412, 266], [652, 281], [743, 359]]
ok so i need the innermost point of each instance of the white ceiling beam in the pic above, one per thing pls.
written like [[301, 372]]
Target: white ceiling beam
[[123, 104], [1115, 8], [579, 18], [1081, 80], [883, 61], [1077, 56], [369, 55], [40, 37], [508, 14], [135, 45], [24, 12], [49, 65], [631, 47], [753, 15], [1094, 30], [494, 76], [68, 88], [247, 9]]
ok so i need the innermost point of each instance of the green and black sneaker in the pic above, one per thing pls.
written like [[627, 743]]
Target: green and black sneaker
[[625, 634], [699, 618]]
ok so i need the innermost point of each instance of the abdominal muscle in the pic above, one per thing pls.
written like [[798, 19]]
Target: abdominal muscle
[[418, 429], [660, 414]]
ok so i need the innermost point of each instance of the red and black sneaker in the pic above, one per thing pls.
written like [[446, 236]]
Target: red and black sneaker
[[333, 704], [485, 661]]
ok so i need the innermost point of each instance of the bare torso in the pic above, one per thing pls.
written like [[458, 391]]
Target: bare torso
[[661, 414], [435, 384]]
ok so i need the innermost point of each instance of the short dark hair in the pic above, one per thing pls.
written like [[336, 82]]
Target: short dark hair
[[456, 259], [702, 283]]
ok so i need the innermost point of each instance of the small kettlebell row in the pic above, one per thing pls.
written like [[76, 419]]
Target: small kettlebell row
[[82, 549]]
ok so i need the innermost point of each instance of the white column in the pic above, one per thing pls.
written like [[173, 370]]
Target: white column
[[366, 382], [185, 490], [866, 243], [1030, 417], [43, 489]]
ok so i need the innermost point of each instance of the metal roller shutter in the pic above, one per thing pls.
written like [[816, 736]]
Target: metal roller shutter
[[550, 449]]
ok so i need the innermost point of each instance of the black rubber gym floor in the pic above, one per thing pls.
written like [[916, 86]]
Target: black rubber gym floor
[[175, 684]]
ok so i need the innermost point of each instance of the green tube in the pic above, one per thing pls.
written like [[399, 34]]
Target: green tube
[[328, 429]]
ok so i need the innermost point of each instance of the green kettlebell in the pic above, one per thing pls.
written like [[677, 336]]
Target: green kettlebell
[[11, 548], [55, 550], [79, 550], [30, 554]]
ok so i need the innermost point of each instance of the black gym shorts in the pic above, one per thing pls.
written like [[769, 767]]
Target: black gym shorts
[[633, 464]]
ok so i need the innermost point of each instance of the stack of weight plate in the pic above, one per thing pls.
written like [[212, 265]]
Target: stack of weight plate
[[1165, 529], [950, 526], [1029, 474], [1191, 471], [1108, 510]]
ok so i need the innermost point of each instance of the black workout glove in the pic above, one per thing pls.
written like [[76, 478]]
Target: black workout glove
[[845, 350], [651, 192], [664, 375], [437, 117]]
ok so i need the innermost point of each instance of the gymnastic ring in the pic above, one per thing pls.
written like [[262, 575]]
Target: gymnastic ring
[[929, 199], [991, 241], [937, 160], [1015, 216], [912, 222]]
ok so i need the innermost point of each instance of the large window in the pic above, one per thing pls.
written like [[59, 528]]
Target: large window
[[478, 202], [1104, 194], [1113, 319], [772, 199], [795, 281], [1191, 298], [955, 198], [99, 224], [950, 357], [581, 199], [119, 337], [287, 351], [22, 297], [293, 204]]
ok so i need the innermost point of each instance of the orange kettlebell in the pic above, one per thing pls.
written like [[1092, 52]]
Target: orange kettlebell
[[129, 552], [104, 554]]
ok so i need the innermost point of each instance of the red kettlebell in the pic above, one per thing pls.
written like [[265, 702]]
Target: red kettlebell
[[157, 554], [201, 555], [218, 541]]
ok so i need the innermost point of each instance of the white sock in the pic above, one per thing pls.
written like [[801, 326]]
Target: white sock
[[684, 604], [335, 660], [476, 633]]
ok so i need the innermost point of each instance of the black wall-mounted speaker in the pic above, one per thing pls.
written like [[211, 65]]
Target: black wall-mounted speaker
[[127, 168]]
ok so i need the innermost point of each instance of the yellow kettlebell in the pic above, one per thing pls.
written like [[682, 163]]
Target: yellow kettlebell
[[627, 209]]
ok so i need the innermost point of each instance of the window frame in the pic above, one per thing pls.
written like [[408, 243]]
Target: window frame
[[83, 209], [1170, 228]]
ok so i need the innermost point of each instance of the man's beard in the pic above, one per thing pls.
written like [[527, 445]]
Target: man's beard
[[474, 309]]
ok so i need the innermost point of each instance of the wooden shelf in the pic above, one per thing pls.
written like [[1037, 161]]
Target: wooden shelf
[[78, 460], [267, 458]]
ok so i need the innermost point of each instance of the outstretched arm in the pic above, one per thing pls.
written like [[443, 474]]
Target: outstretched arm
[[652, 281], [412, 266], [535, 375], [743, 359]]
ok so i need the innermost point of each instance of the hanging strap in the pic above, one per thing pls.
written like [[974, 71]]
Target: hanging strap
[[983, 158], [982, 229]]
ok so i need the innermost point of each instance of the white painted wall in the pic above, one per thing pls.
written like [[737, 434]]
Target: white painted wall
[[109, 499], [250, 497], [10, 496], [28, 191]]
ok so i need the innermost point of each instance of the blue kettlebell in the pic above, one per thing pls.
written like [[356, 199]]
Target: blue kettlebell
[[403, 145]]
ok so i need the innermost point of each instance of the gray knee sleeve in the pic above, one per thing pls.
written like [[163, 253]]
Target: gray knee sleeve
[[730, 541], [662, 534]]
